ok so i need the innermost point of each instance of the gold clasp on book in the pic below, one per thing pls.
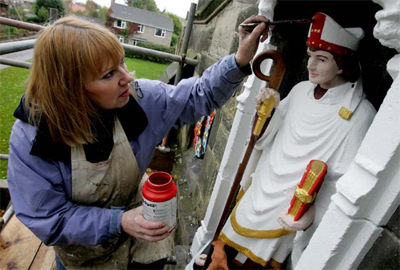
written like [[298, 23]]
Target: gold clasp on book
[[303, 195]]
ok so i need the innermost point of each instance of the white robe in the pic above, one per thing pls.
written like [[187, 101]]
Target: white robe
[[301, 129]]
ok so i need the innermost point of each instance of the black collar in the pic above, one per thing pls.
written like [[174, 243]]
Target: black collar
[[133, 120]]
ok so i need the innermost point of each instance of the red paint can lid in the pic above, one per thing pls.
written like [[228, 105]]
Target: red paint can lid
[[159, 187]]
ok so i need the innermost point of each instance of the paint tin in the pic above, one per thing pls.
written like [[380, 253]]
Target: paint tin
[[159, 199]]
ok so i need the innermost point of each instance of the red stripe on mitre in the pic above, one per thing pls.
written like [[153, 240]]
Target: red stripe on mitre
[[314, 39]]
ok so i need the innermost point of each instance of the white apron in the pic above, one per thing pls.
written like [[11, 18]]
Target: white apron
[[106, 184]]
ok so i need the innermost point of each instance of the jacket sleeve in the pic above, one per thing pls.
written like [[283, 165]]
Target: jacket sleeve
[[212, 90], [41, 199], [169, 106]]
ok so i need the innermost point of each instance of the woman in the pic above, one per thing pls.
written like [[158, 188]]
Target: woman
[[83, 139], [324, 119]]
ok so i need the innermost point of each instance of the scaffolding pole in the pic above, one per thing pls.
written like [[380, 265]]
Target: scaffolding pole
[[10, 47]]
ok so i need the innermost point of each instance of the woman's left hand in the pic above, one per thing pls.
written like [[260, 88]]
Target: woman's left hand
[[287, 222], [133, 223]]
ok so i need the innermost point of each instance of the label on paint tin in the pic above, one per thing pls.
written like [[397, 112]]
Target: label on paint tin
[[161, 211]]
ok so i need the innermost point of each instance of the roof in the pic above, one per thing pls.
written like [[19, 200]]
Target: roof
[[91, 19], [142, 16]]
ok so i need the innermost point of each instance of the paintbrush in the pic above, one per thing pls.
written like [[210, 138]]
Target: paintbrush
[[253, 25]]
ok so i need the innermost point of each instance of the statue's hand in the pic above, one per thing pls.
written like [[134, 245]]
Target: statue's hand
[[218, 257], [286, 221], [265, 94]]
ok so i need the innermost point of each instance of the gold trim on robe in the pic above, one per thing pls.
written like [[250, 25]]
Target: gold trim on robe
[[256, 233]]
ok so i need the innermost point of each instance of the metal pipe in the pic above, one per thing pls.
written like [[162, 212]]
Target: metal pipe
[[16, 46], [14, 63], [19, 24], [3, 183], [8, 214], [158, 54], [10, 47], [185, 44], [188, 30]]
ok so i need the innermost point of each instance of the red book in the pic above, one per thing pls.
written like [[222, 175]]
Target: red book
[[307, 189]]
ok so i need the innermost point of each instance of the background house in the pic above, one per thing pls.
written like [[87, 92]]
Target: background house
[[133, 25], [74, 7]]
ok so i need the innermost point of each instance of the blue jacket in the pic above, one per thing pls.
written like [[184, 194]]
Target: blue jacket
[[40, 186]]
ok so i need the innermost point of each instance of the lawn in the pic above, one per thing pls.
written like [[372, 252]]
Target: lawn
[[12, 84]]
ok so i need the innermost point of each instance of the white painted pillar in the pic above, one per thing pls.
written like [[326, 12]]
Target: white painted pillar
[[235, 146], [369, 193]]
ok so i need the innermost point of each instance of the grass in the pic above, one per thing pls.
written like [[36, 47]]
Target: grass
[[12, 85]]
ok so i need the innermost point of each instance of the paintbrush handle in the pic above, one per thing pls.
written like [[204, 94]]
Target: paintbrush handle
[[278, 22]]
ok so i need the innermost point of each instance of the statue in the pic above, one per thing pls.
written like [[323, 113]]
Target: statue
[[325, 118]]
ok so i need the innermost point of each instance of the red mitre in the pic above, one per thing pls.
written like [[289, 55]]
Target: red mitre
[[326, 34]]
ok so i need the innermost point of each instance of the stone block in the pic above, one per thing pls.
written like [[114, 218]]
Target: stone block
[[384, 254], [220, 143], [182, 254], [205, 62], [394, 223], [208, 172]]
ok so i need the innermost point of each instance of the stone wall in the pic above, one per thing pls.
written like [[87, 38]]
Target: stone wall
[[385, 253], [211, 42]]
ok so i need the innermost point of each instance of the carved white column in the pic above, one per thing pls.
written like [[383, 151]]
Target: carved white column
[[369, 193], [235, 146]]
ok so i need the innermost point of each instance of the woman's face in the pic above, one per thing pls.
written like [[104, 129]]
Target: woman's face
[[110, 90], [323, 70]]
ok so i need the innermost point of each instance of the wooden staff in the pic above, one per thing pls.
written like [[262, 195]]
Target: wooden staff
[[263, 113]]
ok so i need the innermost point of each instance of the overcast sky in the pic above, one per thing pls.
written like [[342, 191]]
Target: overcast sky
[[177, 7]]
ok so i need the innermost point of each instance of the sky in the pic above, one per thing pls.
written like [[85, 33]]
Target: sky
[[177, 7]]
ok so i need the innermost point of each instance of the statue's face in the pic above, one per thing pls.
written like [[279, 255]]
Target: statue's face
[[322, 69], [387, 29]]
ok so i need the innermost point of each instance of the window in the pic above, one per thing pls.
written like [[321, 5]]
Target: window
[[134, 42], [120, 24], [159, 33], [121, 39], [141, 28]]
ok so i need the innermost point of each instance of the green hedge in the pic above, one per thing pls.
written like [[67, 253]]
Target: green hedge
[[151, 46]]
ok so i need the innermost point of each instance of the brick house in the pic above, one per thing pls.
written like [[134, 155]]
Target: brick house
[[133, 25]]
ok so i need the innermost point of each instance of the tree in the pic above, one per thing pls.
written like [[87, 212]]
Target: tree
[[91, 8], [177, 23], [177, 28], [43, 14], [149, 5], [47, 4], [102, 13]]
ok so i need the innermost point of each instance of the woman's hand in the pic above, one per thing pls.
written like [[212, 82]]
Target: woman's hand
[[286, 221], [133, 223], [249, 38], [265, 94]]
